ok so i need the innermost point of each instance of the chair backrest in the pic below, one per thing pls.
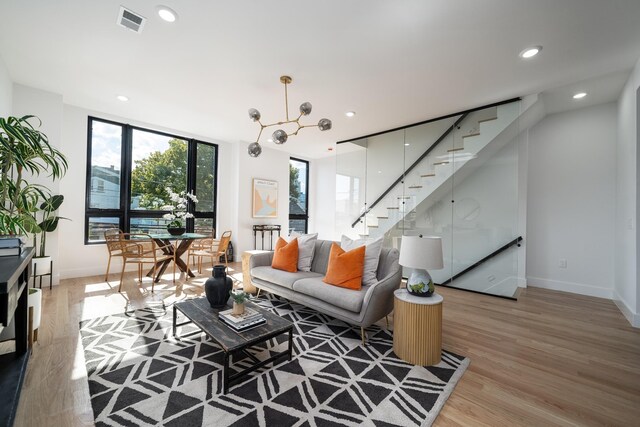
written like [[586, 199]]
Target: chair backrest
[[130, 243], [224, 241], [112, 238], [206, 244]]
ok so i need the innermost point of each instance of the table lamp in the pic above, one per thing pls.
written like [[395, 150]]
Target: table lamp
[[421, 253]]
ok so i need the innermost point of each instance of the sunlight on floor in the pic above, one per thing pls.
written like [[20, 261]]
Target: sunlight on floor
[[102, 298]]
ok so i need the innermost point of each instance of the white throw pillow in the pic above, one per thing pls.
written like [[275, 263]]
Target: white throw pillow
[[371, 256], [306, 248]]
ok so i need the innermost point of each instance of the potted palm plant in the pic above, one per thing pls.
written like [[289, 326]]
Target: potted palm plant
[[24, 150]]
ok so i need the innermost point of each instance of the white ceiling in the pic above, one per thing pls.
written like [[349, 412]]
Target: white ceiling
[[393, 62]]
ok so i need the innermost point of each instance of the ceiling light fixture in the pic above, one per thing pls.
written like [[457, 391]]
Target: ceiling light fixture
[[350, 113], [530, 52], [167, 14], [280, 136], [407, 144], [122, 98], [579, 95]]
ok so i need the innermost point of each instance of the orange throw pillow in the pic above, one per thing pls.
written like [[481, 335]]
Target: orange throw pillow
[[345, 268], [286, 255]]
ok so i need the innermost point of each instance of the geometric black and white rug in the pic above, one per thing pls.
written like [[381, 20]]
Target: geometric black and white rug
[[140, 375]]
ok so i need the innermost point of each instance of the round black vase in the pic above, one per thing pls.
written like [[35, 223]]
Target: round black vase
[[217, 288], [176, 231]]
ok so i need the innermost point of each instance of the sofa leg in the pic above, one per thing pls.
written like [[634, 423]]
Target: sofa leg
[[386, 318], [258, 293], [363, 335]]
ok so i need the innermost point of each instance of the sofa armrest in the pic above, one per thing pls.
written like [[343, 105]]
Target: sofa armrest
[[260, 260], [378, 302]]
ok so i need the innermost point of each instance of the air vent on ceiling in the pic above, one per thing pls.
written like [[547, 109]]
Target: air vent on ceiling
[[131, 20]]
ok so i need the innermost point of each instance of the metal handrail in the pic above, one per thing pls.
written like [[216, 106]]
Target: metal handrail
[[515, 241], [410, 168]]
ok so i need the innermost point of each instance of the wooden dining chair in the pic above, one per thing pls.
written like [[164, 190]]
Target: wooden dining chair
[[142, 249], [209, 248], [112, 239]]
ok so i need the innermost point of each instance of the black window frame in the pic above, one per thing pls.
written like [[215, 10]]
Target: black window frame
[[304, 217], [124, 213]]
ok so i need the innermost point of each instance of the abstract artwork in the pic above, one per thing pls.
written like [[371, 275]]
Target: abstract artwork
[[265, 198]]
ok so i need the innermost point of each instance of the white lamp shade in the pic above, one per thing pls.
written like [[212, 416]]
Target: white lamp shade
[[421, 252]]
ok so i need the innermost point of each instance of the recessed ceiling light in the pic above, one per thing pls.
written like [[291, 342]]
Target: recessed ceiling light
[[407, 144], [350, 113], [270, 140], [167, 14], [379, 171], [530, 52], [579, 95], [122, 98]]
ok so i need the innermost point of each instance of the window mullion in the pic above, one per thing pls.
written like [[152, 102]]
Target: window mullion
[[125, 187]]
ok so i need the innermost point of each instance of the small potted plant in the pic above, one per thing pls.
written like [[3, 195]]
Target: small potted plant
[[41, 262], [239, 298], [178, 211]]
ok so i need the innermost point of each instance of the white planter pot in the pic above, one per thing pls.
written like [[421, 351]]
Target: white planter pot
[[35, 300], [41, 265]]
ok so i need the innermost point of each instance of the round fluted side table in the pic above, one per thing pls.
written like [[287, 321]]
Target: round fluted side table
[[417, 328]]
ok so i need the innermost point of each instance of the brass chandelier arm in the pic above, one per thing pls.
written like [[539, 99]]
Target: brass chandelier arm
[[260, 133], [282, 123]]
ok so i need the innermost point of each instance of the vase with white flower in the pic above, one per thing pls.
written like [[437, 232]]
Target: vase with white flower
[[178, 211]]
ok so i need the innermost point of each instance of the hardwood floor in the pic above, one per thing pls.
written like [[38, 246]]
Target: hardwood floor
[[550, 358]]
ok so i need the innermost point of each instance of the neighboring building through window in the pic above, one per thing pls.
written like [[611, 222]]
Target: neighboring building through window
[[129, 170], [298, 195]]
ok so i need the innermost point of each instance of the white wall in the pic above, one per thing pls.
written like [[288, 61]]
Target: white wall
[[78, 259], [47, 106], [272, 165], [571, 199], [322, 203], [627, 286], [6, 91]]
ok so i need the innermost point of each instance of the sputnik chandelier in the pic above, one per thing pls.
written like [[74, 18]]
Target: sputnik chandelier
[[280, 136]]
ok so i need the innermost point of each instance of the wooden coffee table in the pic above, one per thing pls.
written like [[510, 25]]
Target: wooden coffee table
[[199, 312]]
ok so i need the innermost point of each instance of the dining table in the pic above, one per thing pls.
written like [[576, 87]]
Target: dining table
[[173, 244]]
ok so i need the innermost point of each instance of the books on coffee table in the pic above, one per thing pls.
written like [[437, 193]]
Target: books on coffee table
[[245, 326], [240, 322]]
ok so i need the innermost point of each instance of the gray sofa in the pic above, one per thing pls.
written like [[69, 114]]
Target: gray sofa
[[361, 308]]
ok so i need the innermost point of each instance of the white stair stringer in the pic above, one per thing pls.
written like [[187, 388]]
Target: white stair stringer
[[490, 137]]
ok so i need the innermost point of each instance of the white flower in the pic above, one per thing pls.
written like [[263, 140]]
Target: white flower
[[192, 197], [169, 216], [167, 208], [188, 215]]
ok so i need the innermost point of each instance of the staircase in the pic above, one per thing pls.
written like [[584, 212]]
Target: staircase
[[474, 136]]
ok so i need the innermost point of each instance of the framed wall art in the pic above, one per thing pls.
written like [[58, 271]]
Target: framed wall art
[[265, 198]]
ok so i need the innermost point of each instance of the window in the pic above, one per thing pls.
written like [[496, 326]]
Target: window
[[298, 193], [129, 170]]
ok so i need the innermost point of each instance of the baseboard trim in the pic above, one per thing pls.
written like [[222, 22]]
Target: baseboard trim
[[575, 288], [632, 318]]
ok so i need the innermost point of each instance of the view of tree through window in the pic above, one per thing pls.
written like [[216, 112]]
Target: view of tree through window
[[298, 202], [130, 194], [158, 162]]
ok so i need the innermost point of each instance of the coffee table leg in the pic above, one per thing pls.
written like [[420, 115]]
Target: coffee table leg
[[290, 343], [225, 373], [175, 314]]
